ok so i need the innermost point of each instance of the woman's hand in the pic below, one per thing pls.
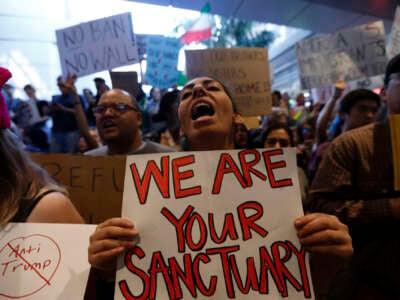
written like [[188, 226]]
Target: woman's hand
[[110, 239], [323, 233]]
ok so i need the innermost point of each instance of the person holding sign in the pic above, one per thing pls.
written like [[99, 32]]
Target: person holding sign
[[206, 113], [355, 182], [28, 194]]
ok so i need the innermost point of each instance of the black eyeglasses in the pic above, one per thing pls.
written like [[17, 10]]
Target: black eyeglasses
[[273, 141], [116, 108]]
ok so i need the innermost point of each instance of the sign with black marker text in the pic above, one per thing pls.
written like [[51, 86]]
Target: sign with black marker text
[[347, 55], [245, 71], [214, 225], [394, 38], [98, 45], [94, 183]]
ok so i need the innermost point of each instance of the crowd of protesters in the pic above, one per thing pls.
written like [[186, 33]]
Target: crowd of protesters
[[344, 157]]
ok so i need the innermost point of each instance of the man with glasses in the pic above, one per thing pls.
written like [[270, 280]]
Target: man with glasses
[[355, 182], [118, 121]]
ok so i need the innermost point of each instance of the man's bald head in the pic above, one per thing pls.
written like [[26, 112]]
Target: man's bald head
[[118, 96]]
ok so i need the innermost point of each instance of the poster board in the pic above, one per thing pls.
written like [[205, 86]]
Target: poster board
[[394, 38], [127, 81], [162, 61], [44, 261], [98, 45], [141, 41], [214, 225], [349, 54], [395, 138], [95, 183], [245, 71]]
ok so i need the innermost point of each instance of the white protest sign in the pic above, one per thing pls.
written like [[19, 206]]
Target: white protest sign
[[162, 61], [394, 39], [245, 71], [44, 261], [350, 54], [214, 225], [98, 45]]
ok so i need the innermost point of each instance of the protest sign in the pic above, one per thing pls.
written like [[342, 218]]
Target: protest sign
[[394, 38], [162, 61], [214, 225], [395, 138], [141, 41], [98, 45], [245, 71], [95, 183], [44, 261], [350, 54], [126, 81]]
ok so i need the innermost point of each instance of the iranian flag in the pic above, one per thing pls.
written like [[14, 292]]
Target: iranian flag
[[200, 29]]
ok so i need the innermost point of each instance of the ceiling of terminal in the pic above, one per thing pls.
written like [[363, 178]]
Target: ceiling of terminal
[[318, 16]]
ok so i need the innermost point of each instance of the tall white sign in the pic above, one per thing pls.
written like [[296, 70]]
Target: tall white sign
[[214, 225]]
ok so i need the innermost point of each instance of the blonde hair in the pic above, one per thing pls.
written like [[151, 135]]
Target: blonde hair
[[20, 177]]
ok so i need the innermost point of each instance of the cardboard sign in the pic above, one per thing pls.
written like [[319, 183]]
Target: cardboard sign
[[95, 183], [214, 225], [162, 61], [44, 261], [245, 71], [127, 81], [395, 137], [97, 45], [394, 39], [350, 54]]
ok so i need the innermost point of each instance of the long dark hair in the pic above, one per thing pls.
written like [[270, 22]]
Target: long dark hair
[[20, 177]]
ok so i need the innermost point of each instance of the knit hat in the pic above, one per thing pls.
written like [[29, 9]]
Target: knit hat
[[4, 117], [393, 66]]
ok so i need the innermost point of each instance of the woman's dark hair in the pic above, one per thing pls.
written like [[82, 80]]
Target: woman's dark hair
[[166, 105], [20, 177], [277, 126], [278, 94], [244, 127]]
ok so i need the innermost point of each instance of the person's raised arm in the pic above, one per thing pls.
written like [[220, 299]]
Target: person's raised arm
[[326, 113], [81, 120]]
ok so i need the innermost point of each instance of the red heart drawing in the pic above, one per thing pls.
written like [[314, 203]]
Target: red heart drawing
[[29, 261]]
